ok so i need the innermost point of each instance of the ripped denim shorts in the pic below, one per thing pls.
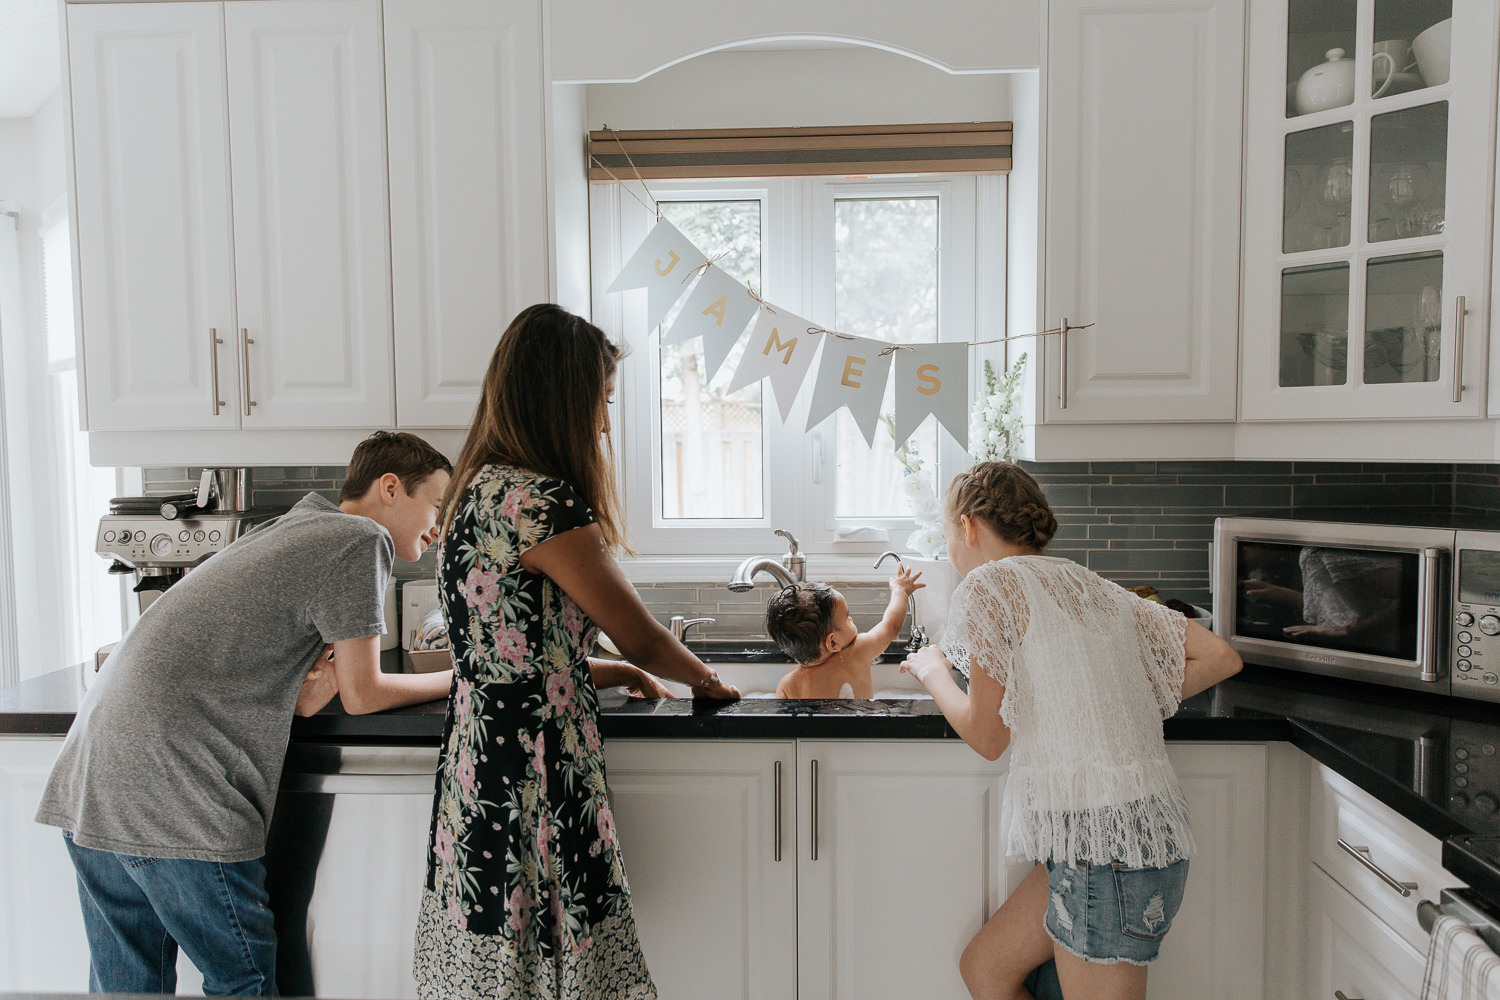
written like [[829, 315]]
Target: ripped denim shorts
[[1113, 913]]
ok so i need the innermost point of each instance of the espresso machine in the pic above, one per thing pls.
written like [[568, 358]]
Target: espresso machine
[[158, 539]]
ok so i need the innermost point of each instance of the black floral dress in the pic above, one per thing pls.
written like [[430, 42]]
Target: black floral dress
[[526, 893]]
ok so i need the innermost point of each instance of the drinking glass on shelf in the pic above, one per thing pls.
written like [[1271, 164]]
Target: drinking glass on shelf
[[1405, 190], [1335, 186]]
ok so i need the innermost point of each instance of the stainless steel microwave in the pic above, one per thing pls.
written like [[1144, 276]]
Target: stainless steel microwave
[[1413, 606]]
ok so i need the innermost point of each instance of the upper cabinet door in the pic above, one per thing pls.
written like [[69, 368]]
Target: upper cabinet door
[[151, 168], [312, 261], [1368, 208], [468, 192], [1143, 209]]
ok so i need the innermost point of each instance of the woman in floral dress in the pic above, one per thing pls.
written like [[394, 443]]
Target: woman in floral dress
[[526, 894]]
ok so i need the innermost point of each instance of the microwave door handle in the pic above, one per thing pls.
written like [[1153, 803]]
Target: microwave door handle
[[1428, 632]]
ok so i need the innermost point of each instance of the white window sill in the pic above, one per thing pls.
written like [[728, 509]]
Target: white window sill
[[719, 569]]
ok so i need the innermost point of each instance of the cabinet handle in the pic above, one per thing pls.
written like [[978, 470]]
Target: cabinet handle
[[777, 810], [1362, 855], [1458, 347], [1062, 368], [815, 810], [214, 340], [245, 343], [1339, 995]]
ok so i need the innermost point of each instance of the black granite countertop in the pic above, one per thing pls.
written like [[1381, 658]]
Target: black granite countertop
[[1434, 760]]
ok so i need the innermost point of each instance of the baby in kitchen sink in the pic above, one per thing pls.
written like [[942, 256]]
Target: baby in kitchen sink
[[812, 625]]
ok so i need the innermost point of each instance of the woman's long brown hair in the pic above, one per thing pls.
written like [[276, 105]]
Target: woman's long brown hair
[[540, 409]]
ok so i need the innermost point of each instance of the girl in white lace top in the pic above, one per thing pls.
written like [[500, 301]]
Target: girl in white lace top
[[1075, 675]]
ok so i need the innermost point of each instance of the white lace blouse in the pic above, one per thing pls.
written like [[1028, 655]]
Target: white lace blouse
[[1090, 670]]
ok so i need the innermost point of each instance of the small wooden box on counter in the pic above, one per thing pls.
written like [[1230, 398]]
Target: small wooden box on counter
[[427, 661]]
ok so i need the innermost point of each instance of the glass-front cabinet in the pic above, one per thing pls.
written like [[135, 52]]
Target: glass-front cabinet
[[1370, 146]]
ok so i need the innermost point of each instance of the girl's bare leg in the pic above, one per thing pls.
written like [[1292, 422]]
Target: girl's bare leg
[[1011, 944], [1113, 981]]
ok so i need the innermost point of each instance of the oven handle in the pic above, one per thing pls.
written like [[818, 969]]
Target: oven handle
[[1428, 631]]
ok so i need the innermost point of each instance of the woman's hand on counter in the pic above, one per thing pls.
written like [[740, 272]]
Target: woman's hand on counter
[[319, 686], [637, 683]]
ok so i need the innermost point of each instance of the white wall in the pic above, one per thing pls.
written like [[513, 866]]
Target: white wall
[[32, 176], [593, 41], [785, 88]]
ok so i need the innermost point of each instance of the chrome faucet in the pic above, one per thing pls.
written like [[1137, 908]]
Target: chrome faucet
[[917, 638], [791, 569], [680, 625]]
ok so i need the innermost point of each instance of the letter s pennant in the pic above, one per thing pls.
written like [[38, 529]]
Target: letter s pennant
[[661, 263], [933, 378]]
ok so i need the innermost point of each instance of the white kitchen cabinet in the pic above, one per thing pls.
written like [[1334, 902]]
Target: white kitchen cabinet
[[155, 247], [908, 834], [1368, 218], [469, 245], [900, 861], [1142, 211], [307, 158], [42, 944], [1352, 952], [267, 307], [1216, 947], [1354, 838], [708, 838]]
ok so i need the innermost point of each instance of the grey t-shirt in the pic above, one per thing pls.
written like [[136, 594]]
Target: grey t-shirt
[[178, 747]]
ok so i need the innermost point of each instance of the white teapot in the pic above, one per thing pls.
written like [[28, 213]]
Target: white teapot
[[1327, 85]]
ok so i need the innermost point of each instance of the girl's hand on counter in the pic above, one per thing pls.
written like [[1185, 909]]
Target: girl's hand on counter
[[925, 664]]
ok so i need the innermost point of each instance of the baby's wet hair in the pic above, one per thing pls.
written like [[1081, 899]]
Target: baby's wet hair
[[799, 617], [1004, 496]]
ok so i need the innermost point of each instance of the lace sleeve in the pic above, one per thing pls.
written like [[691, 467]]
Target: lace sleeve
[[989, 616], [1163, 640]]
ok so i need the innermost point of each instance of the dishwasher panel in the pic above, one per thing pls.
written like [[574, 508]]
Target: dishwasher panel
[[345, 862]]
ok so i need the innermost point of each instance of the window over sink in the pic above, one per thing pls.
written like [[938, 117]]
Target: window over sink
[[707, 471]]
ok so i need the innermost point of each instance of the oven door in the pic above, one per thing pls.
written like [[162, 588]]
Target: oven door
[[1367, 602]]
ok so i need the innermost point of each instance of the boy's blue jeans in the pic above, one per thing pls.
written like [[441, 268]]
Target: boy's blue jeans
[[137, 911]]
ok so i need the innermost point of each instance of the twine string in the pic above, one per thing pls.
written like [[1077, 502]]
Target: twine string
[[703, 267], [832, 333], [655, 205], [764, 304]]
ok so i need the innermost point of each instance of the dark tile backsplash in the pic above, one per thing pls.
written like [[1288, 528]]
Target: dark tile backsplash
[[1133, 522]]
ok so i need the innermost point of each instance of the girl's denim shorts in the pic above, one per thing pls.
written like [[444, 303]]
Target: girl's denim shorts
[[1113, 913]]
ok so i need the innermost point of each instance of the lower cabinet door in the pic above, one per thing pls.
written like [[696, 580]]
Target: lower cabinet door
[[899, 862], [42, 945], [1353, 952], [706, 829], [1216, 947]]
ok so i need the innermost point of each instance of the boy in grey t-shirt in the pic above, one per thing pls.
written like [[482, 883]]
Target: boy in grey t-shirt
[[165, 784]]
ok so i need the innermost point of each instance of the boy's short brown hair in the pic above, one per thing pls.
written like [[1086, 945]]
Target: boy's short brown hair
[[404, 455], [799, 617]]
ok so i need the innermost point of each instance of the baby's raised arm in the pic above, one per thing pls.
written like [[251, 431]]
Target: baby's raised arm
[[902, 586]]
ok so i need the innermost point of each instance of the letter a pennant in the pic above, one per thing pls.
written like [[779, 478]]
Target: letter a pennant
[[933, 378], [664, 258], [718, 310], [780, 349], [852, 373]]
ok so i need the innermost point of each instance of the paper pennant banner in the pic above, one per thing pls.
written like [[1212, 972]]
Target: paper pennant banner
[[933, 378], [852, 373], [780, 349], [664, 258], [718, 311]]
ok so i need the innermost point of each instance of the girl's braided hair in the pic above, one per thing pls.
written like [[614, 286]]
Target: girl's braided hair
[[1005, 497]]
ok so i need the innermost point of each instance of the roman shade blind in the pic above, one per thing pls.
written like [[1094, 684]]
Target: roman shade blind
[[840, 151]]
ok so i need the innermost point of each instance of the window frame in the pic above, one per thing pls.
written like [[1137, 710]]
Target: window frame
[[798, 247]]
